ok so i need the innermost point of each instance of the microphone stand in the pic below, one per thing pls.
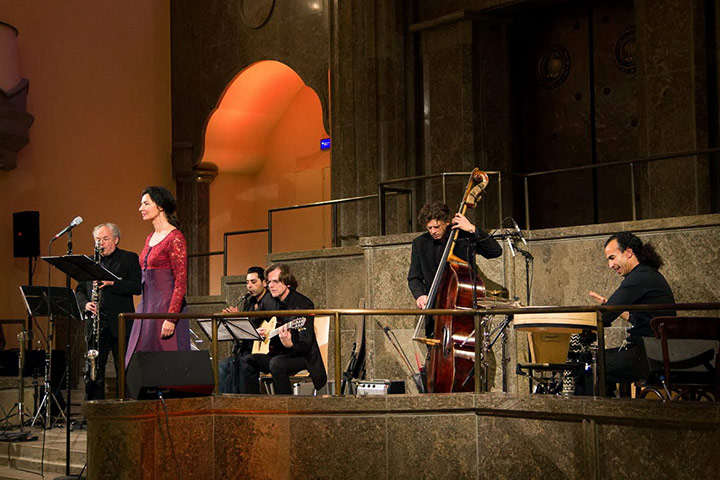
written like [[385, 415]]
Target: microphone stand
[[68, 363]]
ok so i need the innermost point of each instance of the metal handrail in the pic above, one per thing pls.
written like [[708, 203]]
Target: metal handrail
[[337, 312], [231, 234], [223, 252], [382, 188], [630, 162], [332, 203]]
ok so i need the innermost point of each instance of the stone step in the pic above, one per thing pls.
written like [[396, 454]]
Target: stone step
[[35, 467], [46, 452], [10, 473]]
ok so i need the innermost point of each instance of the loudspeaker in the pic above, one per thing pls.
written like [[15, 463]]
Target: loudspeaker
[[26, 234], [175, 374]]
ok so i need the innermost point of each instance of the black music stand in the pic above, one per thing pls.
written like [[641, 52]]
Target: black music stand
[[230, 329], [80, 268], [49, 302]]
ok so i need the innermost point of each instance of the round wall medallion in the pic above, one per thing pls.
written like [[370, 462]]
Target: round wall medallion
[[625, 51], [256, 13], [553, 66]]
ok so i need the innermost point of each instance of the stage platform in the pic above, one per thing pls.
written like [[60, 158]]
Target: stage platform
[[445, 436]]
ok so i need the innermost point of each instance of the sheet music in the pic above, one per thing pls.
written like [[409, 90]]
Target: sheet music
[[230, 329]]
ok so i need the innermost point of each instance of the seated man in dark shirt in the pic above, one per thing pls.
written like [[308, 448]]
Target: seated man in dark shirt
[[638, 262], [292, 350], [257, 298]]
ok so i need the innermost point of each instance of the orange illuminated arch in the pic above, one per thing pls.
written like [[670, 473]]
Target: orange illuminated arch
[[239, 130]]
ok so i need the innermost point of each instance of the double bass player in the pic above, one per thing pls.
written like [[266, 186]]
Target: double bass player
[[427, 249]]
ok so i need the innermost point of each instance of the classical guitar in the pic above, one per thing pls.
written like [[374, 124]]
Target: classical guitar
[[263, 346]]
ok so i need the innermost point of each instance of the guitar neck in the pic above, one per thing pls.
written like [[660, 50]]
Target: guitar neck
[[291, 325]]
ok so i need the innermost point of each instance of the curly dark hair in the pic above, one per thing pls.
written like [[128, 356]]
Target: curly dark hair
[[286, 275], [165, 200], [434, 211], [645, 252]]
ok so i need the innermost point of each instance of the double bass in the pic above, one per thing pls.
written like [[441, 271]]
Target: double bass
[[452, 350]]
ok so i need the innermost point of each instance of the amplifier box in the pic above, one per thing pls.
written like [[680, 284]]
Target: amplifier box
[[378, 387]]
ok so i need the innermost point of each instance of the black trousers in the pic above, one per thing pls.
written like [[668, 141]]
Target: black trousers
[[620, 367], [281, 367], [95, 390]]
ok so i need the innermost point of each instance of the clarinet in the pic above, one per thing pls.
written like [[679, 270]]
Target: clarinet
[[94, 340]]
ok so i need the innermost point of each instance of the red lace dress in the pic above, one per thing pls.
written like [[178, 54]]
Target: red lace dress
[[164, 283]]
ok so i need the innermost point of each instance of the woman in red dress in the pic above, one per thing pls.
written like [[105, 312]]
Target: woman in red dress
[[164, 278]]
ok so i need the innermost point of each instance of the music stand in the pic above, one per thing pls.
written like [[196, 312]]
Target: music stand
[[230, 329], [49, 302], [80, 268]]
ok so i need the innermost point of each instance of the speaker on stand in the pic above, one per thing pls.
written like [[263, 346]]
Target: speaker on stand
[[26, 244]]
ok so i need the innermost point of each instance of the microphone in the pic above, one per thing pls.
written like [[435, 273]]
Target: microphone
[[518, 231], [76, 221], [510, 245]]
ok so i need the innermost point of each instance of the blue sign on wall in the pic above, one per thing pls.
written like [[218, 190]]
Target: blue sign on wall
[[325, 144]]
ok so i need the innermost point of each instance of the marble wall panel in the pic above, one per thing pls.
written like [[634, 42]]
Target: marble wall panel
[[691, 454], [189, 463], [664, 36], [243, 444], [343, 447], [534, 450], [344, 282], [431, 446], [108, 442]]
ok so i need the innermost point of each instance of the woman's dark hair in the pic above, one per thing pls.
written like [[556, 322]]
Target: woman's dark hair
[[165, 200], [645, 252], [285, 277], [433, 211], [259, 270]]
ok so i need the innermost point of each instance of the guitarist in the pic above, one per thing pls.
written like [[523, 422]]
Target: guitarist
[[257, 298], [291, 350]]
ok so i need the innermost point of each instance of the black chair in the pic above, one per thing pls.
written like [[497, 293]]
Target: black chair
[[689, 368]]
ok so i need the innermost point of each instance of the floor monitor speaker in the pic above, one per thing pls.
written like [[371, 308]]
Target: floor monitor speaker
[[175, 374]]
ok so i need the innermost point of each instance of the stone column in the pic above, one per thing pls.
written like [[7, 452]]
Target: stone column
[[371, 70], [193, 200], [672, 68], [466, 106]]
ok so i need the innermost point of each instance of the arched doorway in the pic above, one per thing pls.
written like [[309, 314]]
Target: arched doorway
[[264, 136]]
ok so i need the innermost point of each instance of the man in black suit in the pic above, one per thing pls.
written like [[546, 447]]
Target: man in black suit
[[257, 298], [115, 298], [291, 350], [427, 249]]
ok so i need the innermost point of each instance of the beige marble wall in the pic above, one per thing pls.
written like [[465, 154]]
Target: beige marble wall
[[493, 436]]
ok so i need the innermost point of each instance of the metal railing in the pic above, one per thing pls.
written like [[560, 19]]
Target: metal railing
[[631, 163], [224, 251], [336, 313], [333, 203], [383, 188]]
